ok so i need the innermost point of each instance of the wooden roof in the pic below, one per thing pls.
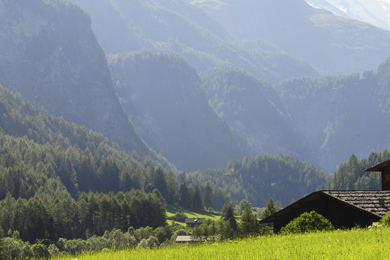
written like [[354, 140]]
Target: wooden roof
[[379, 167], [195, 220], [376, 202]]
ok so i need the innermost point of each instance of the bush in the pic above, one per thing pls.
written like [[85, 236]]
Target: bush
[[386, 219], [307, 222], [40, 251], [180, 216]]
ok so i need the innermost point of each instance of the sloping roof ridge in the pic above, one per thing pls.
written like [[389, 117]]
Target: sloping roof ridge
[[329, 194]]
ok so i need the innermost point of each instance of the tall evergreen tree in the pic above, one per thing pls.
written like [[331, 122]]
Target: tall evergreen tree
[[270, 209], [197, 199], [184, 196], [3, 249], [208, 197], [160, 183], [228, 216], [248, 224]]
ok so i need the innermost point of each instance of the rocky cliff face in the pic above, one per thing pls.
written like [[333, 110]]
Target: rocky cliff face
[[49, 54], [163, 96]]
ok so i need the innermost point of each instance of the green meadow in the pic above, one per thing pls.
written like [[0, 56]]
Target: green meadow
[[340, 244], [171, 210]]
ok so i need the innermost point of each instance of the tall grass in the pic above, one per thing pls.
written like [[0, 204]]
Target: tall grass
[[353, 244]]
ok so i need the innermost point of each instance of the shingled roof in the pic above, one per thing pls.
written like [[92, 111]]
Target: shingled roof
[[375, 201], [343, 208]]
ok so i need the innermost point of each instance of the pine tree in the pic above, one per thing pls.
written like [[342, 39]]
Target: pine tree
[[208, 197], [197, 199], [3, 249], [228, 216], [248, 225], [184, 196], [270, 209]]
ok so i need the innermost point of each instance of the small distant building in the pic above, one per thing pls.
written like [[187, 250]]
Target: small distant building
[[194, 239], [188, 239], [345, 209], [193, 222]]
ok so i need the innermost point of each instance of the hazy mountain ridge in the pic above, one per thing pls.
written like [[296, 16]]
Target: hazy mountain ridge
[[338, 116], [204, 43], [328, 42], [49, 54], [163, 96], [252, 109], [375, 12]]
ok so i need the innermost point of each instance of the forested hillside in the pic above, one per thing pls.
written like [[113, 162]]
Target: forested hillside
[[351, 175], [338, 116], [163, 96], [38, 149], [263, 177], [252, 109], [49, 54]]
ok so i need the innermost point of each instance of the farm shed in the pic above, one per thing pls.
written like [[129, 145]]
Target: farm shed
[[345, 209], [193, 222]]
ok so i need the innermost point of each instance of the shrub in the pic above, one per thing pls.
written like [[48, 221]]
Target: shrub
[[40, 251], [180, 216], [386, 219], [307, 222]]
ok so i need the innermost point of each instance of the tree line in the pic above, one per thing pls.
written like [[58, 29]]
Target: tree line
[[48, 217]]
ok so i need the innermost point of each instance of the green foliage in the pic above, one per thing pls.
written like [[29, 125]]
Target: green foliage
[[197, 199], [307, 222], [270, 209], [259, 178], [180, 216], [386, 219], [248, 224], [4, 255], [184, 196], [229, 227], [40, 251], [352, 175], [49, 217], [208, 202]]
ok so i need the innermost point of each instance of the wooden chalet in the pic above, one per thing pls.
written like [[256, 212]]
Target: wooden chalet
[[345, 209], [193, 222]]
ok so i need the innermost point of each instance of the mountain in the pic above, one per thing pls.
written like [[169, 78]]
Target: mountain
[[375, 12], [177, 27], [43, 153], [338, 116], [252, 109], [163, 96], [49, 54], [260, 178], [328, 42]]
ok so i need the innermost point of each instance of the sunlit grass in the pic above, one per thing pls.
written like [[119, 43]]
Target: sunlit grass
[[171, 210], [354, 244]]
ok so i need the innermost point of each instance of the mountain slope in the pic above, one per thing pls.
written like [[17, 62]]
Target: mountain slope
[[163, 96], [338, 116], [263, 177], [328, 42], [252, 109], [177, 27], [49, 54], [375, 12]]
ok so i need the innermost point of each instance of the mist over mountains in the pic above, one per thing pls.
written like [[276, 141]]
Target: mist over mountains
[[376, 12], [202, 83]]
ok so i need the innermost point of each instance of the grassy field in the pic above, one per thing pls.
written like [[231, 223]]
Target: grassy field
[[171, 210], [354, 244]]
